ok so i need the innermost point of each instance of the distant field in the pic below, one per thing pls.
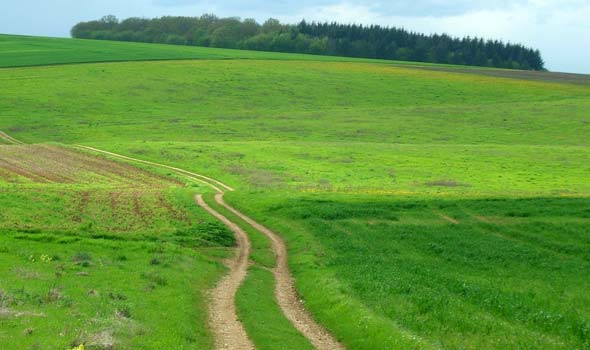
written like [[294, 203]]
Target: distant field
[[19, 51], [278, 100], [316, 125], [423, 207], [24, 51]]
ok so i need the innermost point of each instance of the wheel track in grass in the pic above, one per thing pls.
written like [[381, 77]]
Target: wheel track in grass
[[229, 331], [11, 140], [285, 292], [216, 185]]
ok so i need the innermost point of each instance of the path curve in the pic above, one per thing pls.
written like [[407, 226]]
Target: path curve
[[229, 331], [202, 178], [285, 291], [10, 139]]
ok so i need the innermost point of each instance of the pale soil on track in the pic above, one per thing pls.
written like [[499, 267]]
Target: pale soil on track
[[448, 219], [285, 292], [201, 178], [228, 330]]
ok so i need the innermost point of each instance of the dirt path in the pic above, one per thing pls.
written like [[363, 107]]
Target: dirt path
[[229, 331], [201, 178], [447, 218], [9, 139], [285, 292]]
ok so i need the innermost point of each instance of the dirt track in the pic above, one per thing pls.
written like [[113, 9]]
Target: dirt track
[[285, 292], [201, 178], [229, 332]]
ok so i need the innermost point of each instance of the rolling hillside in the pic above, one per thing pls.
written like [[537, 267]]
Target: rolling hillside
[[18, 51], [422, 206]]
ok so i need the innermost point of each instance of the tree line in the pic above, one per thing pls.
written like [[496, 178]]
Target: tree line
[[334, 39]]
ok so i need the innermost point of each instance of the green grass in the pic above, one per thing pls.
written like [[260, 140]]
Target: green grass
[[24, 51], [511, 273], [262, 317], [104, 265], [251, 122], [378, 168], [286, 100], [18, 51], [362, 166], [122, 297]]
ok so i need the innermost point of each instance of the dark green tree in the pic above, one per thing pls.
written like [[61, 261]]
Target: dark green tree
[[316, 38]]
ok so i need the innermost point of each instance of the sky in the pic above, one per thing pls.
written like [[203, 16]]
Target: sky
[[559, 28]]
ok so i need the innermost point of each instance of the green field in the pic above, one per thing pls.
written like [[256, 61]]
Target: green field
[[424, 207], [93, 252], [440, 273], [23, 51]]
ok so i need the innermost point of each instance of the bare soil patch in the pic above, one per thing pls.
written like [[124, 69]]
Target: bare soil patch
[[552, 77], [446, 183], [229, 331], [53, 164]]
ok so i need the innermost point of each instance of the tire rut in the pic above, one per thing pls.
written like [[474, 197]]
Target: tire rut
[[228, 330], [285, 292], [10, 139]]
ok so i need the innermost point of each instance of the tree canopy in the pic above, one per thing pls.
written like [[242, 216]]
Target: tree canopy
[[351, 40]]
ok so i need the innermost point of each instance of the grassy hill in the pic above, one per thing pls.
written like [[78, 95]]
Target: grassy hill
[[423, 206], [19, 51], [94, 252]]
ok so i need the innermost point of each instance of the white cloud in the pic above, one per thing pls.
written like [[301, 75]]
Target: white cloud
[[560, 29], [343, 12]]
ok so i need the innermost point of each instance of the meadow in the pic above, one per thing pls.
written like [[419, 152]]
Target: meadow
[[98, 253], [27, 51], [491, 273], [424, 207]]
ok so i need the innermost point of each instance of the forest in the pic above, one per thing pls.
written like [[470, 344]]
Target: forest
[[334, 39]]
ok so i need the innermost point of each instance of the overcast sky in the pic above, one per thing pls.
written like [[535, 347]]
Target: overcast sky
[[559, 28]]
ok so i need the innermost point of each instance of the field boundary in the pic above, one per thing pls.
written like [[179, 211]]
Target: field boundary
[[215, 184]]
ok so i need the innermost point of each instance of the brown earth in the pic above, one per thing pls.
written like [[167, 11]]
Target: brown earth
[[53, 164], [228, 330], [550, 77], [285, 291]]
